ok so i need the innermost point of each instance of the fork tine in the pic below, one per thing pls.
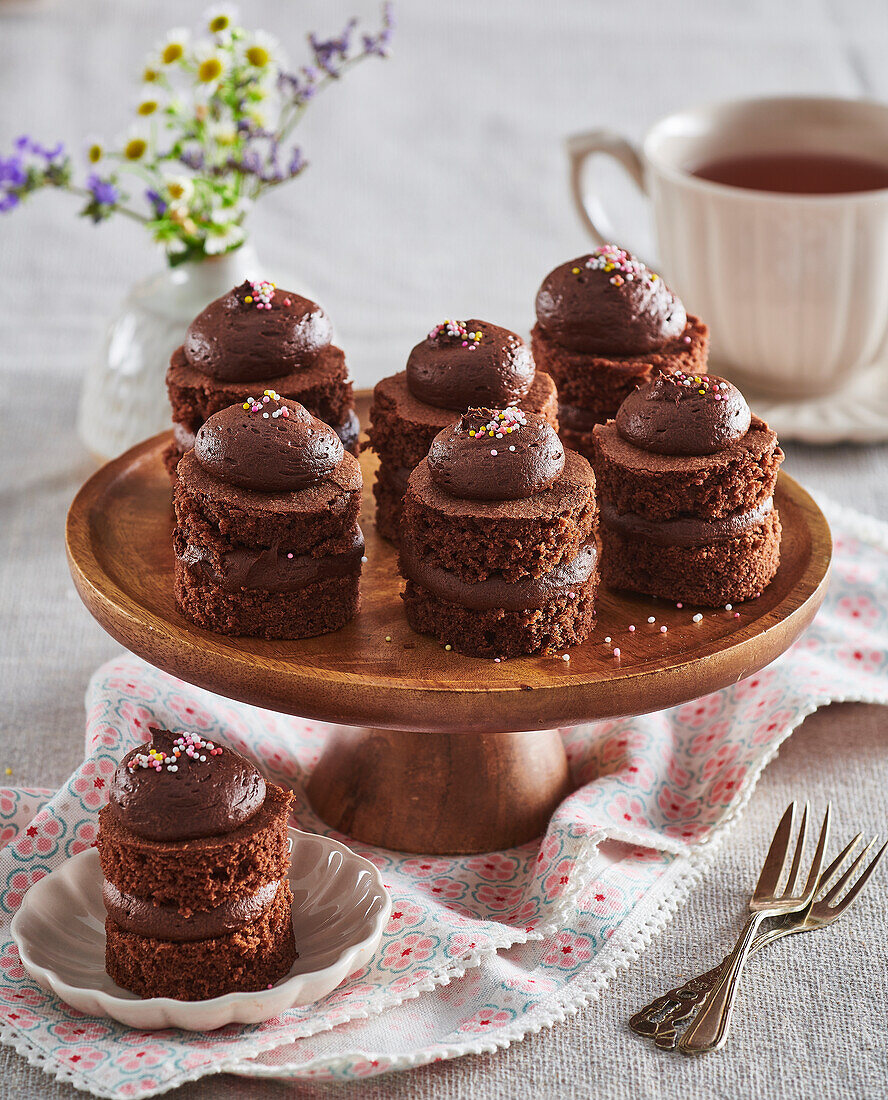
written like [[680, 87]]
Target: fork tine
[[861, 882], [817, 862], [837, 886], [793, 879], [775, 860], [827, 875]]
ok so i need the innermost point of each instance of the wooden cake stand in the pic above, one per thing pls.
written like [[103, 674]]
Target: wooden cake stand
[[445, 753]]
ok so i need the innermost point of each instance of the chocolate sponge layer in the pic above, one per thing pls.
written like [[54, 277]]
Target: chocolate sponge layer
[[254, 957], [201, 873], [515, 538]]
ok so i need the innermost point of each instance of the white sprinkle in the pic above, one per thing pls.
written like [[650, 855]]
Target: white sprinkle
[[698, 617], [607, 641], [663, 629], [566, 657], [617, 652], [729, 607], [364, 558], [512, 448], [497, 660], [493, 452], [651, 619], [265, 416]]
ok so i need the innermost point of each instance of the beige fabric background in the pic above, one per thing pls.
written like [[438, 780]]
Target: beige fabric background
[[438, 187]]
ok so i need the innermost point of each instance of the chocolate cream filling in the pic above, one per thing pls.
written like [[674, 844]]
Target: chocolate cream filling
[[166, 922], [686, 531], [495, 592], [273, 570]]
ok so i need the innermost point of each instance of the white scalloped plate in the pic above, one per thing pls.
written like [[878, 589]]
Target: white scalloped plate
[[340, 909]]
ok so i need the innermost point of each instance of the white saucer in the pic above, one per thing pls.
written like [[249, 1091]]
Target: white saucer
[[856, 414], [340, 909]]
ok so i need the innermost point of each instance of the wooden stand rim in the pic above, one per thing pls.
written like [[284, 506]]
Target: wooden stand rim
[[120, 555]]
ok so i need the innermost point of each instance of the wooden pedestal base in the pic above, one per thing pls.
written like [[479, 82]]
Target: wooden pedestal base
[[440, 792]]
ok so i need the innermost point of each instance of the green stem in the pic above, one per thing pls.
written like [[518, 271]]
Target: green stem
[[127, 213]]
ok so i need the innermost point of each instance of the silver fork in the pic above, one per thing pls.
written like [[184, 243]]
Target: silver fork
[[709, 1029], [657, 1021]]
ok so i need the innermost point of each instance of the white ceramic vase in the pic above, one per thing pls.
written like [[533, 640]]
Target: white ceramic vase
[[124, 398]]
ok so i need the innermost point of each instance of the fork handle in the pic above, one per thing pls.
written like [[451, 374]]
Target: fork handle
[[657, 1020], [709, 1028]]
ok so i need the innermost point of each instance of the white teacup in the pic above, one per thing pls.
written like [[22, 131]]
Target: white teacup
[[793, 286]]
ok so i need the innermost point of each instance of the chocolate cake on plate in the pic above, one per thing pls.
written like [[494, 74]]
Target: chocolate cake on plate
[[194, 852], [267, 541], [686, 480], [498, 538]]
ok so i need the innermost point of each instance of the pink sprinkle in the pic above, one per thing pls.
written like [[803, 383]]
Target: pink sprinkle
[[286, 301], [687, 339], [289, 555], [679, 604], [631, 629], [736, 614], [617, 652], [285, 411]]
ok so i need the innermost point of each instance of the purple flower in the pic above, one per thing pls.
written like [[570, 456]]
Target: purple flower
[[157, 202], [380, 44], [330, 54], [297, 162], [103, 191], [193, 158], [24, 144], [8, 200], [12, 171]]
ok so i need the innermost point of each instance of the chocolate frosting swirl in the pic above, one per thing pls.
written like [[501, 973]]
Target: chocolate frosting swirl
[[161, 792], [680, 414], [496, 454], [243, 341], [269, 443], [470, 363], [608, 303]]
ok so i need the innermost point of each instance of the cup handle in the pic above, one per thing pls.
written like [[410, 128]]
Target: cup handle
[[579, 148]]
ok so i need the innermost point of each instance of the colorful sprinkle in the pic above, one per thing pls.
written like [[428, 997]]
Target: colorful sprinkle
[[651, 619], [616, 651], [456, 332], [263, 292], [503, 422], [609, 257], [631, 629], [186, 744], [698, 617]]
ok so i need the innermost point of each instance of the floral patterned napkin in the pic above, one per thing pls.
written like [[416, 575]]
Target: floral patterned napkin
[[480, 950]]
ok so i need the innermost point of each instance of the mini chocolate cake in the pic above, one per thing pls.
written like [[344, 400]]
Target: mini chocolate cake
[[255, 334], [267, 540], [460, 364], [606, 324], [498, 538], [194, 850], [686, 481]]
